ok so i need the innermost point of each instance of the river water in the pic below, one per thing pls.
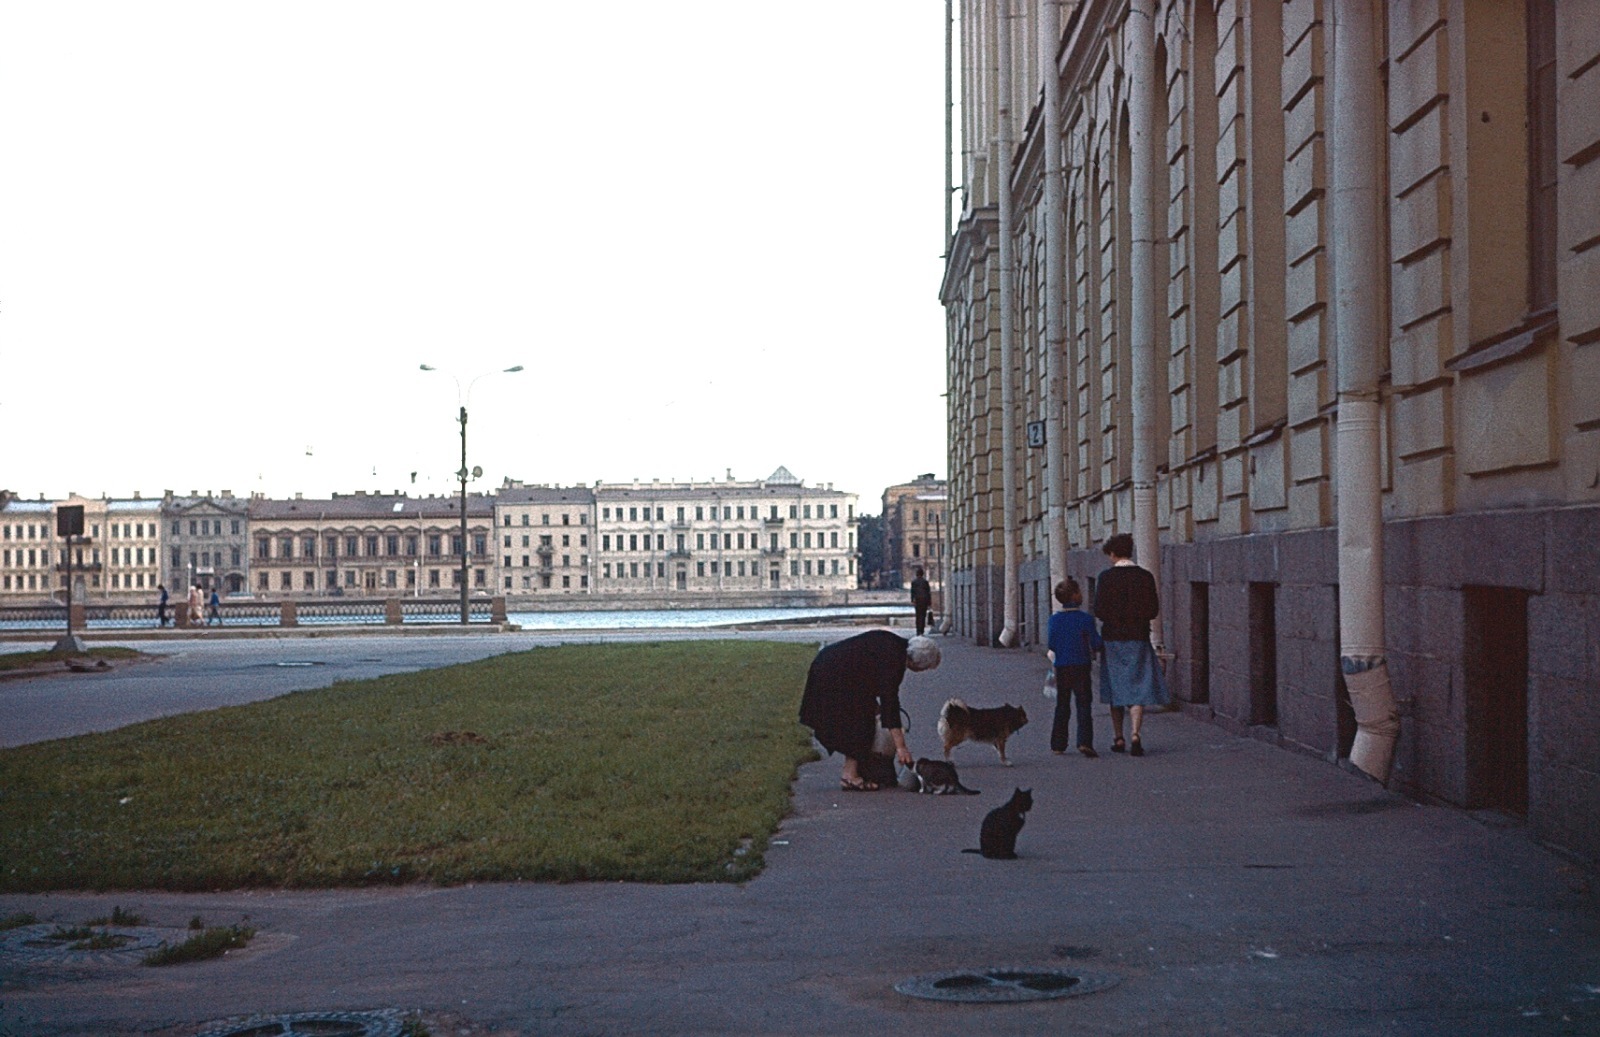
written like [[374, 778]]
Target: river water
[[633, 619]]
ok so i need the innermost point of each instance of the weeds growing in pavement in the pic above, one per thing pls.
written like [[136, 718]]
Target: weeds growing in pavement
[[207, 943]]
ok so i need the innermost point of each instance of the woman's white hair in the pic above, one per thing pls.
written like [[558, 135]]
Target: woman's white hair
[[922, 653]]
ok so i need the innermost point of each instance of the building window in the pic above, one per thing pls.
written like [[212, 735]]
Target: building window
[[284, 580]]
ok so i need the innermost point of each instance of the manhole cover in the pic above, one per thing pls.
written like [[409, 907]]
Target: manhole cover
[[311, 1024], [993, 986]]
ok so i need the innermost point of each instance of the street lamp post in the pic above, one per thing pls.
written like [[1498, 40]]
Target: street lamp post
[[462, 399]]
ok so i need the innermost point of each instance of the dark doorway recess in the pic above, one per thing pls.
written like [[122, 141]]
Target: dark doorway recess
[[1199, 642], [1494, 659], [1264, 654], [1344, 712]]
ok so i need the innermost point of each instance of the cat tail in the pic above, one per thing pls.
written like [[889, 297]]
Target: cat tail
[[966, 791]]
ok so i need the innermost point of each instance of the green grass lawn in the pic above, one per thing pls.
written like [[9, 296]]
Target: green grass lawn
[[656, 763]]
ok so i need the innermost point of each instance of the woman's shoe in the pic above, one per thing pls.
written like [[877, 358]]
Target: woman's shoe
[[1137, 748], [858, 785], [1119, 746]]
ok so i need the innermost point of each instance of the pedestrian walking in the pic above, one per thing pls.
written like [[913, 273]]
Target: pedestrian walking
[[194, 605], [1125, 601], [921, 600], [214, 611], [161, 606], [1073, 643]]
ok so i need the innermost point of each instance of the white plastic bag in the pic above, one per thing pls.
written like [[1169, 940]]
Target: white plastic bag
[[1050, 683]]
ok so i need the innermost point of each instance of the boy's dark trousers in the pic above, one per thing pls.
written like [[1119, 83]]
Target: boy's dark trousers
[[1072, 685]]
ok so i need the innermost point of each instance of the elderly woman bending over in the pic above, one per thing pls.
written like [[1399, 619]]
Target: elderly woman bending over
[[854, 682]]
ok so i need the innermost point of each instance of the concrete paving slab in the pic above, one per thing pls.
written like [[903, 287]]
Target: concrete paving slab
[[1235, 888]]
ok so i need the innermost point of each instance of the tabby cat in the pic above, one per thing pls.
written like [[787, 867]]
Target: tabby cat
[[997, 839], [939, 778]]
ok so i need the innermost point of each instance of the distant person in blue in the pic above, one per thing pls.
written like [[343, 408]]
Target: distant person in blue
[[215, 610], [1125, 602], [161, 606], [1073, 644]]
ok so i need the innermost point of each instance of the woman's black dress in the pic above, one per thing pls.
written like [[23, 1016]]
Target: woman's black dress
[[850, 682]]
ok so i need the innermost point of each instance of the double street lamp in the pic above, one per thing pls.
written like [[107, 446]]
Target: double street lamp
[[462, 399]]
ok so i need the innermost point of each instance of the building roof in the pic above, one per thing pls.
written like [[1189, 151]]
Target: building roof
[[545, 495], [369, 507], [710, 491], [27, 507]]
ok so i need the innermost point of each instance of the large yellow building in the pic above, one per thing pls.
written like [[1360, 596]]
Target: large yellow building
[[1305, 295]]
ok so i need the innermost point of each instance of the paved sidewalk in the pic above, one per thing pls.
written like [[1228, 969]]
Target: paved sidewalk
[[1233, 888]]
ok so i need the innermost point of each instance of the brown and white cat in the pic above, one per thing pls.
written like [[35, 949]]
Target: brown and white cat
[[939, 778]]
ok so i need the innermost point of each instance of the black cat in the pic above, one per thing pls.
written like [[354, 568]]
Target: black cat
[[997, 839], [939, 778]]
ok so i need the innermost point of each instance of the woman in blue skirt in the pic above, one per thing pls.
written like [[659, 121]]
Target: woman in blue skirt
[[1125, 602]]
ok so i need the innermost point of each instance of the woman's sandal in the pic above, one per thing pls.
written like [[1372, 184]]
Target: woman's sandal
[[859, 785], [1137, 749], [1119, 746]]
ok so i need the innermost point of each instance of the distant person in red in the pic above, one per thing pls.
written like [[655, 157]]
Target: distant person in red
[[1125, 602], [921, 600], [854, 682]]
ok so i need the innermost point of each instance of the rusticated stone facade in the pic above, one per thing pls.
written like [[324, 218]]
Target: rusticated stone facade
[[1490, 366]]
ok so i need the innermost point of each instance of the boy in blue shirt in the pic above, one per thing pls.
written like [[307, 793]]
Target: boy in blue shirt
[[1073, 642]]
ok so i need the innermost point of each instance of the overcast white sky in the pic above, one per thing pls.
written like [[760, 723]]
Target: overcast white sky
[[230, 232]]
